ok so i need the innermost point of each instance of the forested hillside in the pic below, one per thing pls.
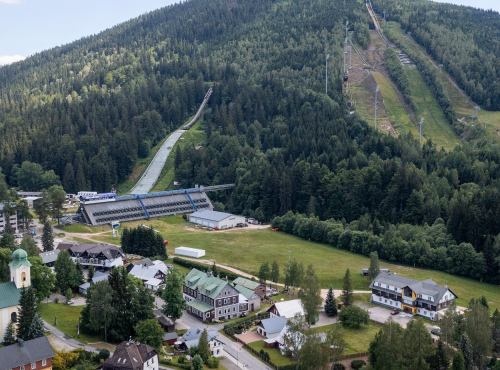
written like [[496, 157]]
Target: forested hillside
[[88, 110], [464, 39]]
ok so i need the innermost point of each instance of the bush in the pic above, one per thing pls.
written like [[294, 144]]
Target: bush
[[182, 359], [357, 364], [338, 367], [353, 317], [104, 354], [213, 363], [56, 300]]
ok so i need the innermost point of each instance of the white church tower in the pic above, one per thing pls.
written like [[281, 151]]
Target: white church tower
[[20, 272]]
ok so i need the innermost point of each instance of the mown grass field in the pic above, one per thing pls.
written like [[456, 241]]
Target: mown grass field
[[435, 125], [247, 249], [67, 319], [395, 111]]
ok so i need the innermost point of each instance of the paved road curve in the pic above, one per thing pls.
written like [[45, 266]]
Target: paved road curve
[[148, 179]]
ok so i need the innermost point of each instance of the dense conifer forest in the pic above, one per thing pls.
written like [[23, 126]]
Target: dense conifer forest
[[88, 110], [465, 40]]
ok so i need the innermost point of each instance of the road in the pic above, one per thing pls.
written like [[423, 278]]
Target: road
[[148, 179], [73, 343]]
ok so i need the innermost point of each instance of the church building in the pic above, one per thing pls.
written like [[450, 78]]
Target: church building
[[10, 293]]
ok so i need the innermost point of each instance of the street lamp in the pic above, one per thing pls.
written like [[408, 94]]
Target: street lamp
[[326, 74]]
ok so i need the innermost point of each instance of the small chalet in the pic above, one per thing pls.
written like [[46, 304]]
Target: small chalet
[[191, 338], [99, 276], [31, 354], [271, 328], [152, 275], [257, 287], [130, 355], [49, 258], [166, 323], [211, 298], [170, 338], [287, 309]]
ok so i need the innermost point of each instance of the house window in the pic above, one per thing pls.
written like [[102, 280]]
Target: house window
[[44, 362], [225, 301], [208, 314], [33, 365], [23, 277], [22, 367], [380, 299], [385, 300], [234, 299], [220, 312], [13, 317], [234, 309]]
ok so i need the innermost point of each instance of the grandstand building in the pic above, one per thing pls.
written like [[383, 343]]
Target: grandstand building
[[147, 206]]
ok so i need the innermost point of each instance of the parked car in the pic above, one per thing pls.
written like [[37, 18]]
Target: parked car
[[71, 301], [395, 312], [436, 331]]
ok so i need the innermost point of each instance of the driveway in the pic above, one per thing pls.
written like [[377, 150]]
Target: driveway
[[381, 315], [250, 337]]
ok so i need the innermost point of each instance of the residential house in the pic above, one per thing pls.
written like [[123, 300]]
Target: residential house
[[166, 323], [152, 275], [191, 338], [10, 293], [130, 355], [211, 298], [34, 354], [287, 309], [143, 262], [424, 298], [98, 276], [252, 297], [97, 255], [256, 286], [271, 328], [49, 258]]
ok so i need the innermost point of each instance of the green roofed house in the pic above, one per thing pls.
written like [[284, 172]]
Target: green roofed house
[[211, 298], [10, 292], [253, 298], [257, 287]]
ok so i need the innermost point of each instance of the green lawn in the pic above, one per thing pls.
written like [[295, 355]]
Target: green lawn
[[81, 228], [357, 340], [67, 320], [275, 354], [247, 249], [395, 111]]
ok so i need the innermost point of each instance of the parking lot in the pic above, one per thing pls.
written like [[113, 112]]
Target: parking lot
[[381, 315]]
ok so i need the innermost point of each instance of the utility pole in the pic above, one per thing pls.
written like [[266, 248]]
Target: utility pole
[[326, 76], [376, 93], [350, 49], [420, 124]]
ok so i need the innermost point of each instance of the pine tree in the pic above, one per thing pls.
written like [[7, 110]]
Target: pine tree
[[47, 237], [440, 358], [78, 278], [458, 361], [347, 289], [330, 303], [204, 346], [466, 347], [27, 311], [91, 273], [10, 334], [174, 301], [374, 269], [215, 270], [36, 329]]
